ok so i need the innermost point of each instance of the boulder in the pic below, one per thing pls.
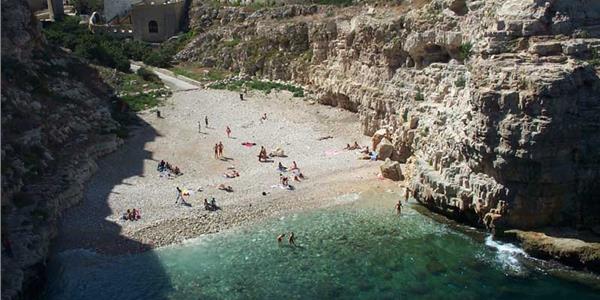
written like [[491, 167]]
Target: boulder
[[378, 136], [384, 149], [391, 170]]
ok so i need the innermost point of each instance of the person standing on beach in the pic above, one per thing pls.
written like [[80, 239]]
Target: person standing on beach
[[292, 239], [228, 131], [399, 207], [220, 146], [206, 121], [199, 127], [179, 196], [216, 151]]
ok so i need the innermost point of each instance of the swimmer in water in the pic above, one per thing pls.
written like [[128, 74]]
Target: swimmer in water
[[292, 240], [399, 207], [280, 238]]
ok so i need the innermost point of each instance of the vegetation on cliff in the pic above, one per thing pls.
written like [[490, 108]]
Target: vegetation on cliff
[[259, 85], [105, 50]]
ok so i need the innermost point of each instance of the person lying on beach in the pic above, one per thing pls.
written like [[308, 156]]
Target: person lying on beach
[[223, 187], [365, 150], [285, 181], [248, 144], [232, 174], [353, 147], [281, 167]]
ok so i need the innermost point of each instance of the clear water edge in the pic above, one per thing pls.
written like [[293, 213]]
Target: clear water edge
[[358, 250]]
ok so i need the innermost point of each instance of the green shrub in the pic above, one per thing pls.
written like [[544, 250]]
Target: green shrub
[[147, 75], [419, 96], [99, 48], [460, 82], [136, 50], [264, 86], [88, 6], [158, 59], [464, 50], [334, 2]]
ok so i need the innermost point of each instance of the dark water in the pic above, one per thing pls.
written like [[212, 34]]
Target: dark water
[[356, 251]]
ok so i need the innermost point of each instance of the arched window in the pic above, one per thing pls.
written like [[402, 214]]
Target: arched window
[[152, 27]]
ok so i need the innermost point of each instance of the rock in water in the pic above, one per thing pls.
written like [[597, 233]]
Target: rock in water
[[391, 170]]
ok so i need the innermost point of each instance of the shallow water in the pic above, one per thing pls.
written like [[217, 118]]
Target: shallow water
[[359, 250]]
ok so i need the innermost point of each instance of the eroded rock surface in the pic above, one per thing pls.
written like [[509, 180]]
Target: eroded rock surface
[[56, 120], [488, 101]]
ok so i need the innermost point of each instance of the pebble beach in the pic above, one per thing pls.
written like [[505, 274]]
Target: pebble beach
[[128, 178]]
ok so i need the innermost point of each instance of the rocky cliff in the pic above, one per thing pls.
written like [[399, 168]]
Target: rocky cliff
[[494, 105], [56, 120]]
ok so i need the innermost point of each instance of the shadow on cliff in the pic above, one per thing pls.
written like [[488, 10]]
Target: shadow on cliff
[[90, 258]]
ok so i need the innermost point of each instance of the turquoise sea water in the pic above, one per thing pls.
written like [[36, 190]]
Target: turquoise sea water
[[356, 251]]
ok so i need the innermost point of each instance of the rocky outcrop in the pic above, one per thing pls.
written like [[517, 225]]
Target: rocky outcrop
[[489, 101], [573, 252], [56, 120]]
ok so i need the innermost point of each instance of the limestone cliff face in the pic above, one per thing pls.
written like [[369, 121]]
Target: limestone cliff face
[[486, 101], [56, 121]]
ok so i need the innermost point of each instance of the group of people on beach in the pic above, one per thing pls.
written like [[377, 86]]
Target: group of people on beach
[[291, 239], [218, 150], [212, 206], [132, 215], [167, 167], [297, 175]]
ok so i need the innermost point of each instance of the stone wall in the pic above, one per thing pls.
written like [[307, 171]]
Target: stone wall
[[167, 17], [56, 120], [489, 102]]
